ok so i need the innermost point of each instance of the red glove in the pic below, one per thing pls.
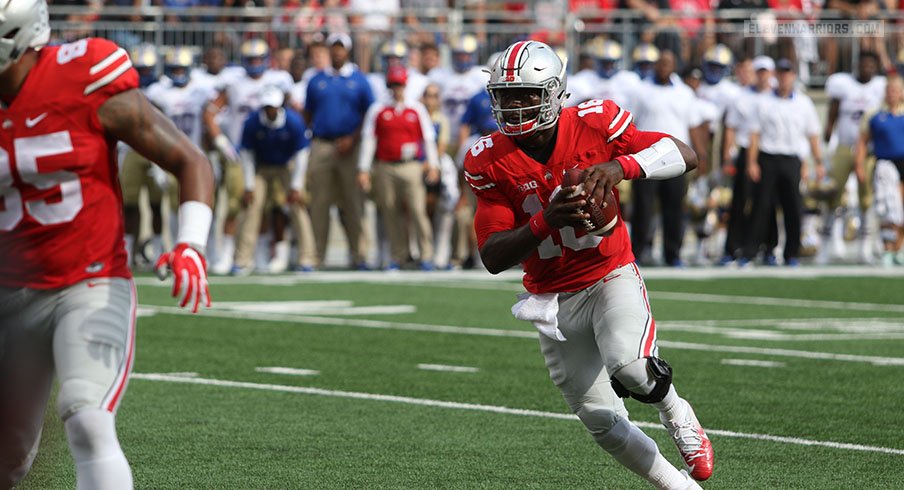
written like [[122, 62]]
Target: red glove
[[190, 275]]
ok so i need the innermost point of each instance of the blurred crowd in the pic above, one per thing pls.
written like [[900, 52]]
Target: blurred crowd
[[685, 27], [373, 137]]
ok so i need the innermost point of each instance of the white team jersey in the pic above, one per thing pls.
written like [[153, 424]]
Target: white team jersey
[[618, 88], [582, 86], [414, 89], [220, 81], [244, 98], [720, 95], [226, 77], [855, 100], [183, 105], [456, 90], [670, 109]]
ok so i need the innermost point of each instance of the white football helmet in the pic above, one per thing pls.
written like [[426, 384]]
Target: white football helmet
[[528, 64], [23, 24]]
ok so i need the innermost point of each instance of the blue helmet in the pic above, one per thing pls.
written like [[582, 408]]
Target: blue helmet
[[464, 53], [716, 63], [255, 57], [176, 65], [644, 56], [144, 59]]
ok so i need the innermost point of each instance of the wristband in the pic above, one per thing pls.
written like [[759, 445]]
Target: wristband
[[539, 227], [629, 166], [195, 218]]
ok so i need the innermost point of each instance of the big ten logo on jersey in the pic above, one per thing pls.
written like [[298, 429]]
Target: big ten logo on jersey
[[71, 51], [59, 193], [527, 186], [481, 144]]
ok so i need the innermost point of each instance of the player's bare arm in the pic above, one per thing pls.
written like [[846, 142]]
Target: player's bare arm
[[834, 108], [131, 118], [505, 249]]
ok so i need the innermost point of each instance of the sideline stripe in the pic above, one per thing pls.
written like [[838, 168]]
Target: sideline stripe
[[495, 409], [767, 301], [444, 367], [497, 332]]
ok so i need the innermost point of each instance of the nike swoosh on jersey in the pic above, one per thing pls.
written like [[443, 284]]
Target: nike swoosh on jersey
[[30, 123]]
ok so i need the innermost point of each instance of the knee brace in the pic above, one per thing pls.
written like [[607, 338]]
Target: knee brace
[[647, 380]]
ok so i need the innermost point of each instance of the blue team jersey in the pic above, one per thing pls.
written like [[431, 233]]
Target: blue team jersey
[[337, 103], [274, 146], [886, 129], [479, 114]]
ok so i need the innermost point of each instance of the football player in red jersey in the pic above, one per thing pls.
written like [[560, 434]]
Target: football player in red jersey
[[67, 300], [585, 294]]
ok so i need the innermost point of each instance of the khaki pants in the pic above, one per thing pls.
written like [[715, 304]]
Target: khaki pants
[[135, 174], [271, 185], [333, 179], [842, 166], [399, 188]]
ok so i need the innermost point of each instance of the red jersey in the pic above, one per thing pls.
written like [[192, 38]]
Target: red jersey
[[399, 130], [511, 187], [60, 201]]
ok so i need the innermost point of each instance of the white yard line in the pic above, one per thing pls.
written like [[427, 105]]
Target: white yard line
[[752, 362], [493, 409], [451, 369], [469, 277], [496, 332], [287, 370], [729, 300]]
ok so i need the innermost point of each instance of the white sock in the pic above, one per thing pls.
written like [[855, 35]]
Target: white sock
[[671, 407], [129, 239], [99, 461], [637, 452]]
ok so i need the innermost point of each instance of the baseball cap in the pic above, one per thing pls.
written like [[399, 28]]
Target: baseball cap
[[272, 96], [397, 75], [339, 38], [763, 63], [784, 64]]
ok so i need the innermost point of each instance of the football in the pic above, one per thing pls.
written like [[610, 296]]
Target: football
[[602, 218]]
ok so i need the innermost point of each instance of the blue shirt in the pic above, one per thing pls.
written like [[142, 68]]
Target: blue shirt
[[886, 130], [337, 102], [479, 114], [274, 146]]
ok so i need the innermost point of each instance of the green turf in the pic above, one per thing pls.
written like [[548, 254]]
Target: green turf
[[192, 436]]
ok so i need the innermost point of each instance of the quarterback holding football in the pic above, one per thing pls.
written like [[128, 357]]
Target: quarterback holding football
[[67, 299], [584, 292]]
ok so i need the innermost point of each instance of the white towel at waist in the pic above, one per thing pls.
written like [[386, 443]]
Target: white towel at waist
[[541, 310]]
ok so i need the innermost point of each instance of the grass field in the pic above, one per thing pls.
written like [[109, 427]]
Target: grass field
[[426, 381]]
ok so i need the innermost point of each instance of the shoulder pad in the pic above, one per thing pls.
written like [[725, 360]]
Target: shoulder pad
[[97, 66], [837, 85], [603, 116]]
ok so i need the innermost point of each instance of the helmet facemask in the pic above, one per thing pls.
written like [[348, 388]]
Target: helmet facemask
[[526, 121]]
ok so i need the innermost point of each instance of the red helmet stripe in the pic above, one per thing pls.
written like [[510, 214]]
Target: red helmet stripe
[[514, 51]]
